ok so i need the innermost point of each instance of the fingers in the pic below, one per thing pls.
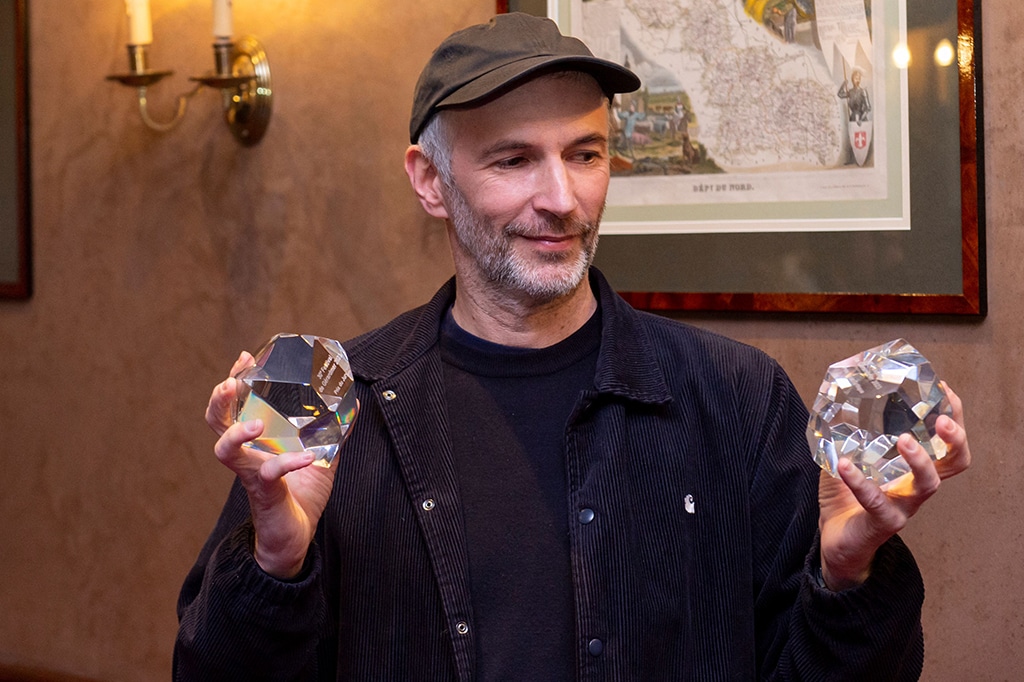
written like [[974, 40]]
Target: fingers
[[925, 478], [889, 506], [251, 464], [279, 465], [883, 516], [245, 361], [958, 452], [218, 410], [856, 518], [955, 403], [245, 462], [953, 432]]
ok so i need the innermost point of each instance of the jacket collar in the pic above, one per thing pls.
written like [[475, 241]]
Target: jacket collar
[[627, 363]]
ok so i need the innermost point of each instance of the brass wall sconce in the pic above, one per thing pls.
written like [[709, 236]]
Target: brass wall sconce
[[242, 74]]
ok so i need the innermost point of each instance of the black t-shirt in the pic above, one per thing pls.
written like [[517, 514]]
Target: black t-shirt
[[508, 409]]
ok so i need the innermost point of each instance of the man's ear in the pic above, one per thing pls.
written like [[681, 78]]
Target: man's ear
[[425, 182]]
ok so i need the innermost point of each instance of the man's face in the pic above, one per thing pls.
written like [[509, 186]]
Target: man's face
[[856, 78], [530, 172]]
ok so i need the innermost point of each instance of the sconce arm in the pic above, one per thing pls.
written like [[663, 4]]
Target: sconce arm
[[178, 116]]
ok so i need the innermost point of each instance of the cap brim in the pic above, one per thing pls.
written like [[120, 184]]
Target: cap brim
[[610, 76]]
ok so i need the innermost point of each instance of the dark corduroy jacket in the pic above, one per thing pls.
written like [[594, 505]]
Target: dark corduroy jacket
[[698, 565]]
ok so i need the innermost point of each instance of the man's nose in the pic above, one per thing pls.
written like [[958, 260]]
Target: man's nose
[[555, 192]]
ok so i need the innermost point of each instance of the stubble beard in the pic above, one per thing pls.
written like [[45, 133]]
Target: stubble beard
[[493, 252]]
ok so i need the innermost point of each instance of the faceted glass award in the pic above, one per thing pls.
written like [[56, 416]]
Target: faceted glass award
[[299, 387], [866, 401]]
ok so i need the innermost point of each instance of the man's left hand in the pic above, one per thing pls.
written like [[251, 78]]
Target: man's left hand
[[858, 516]]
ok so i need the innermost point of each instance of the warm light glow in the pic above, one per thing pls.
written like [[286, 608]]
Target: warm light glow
[[901, 56], [944, 53], [140, 25], [223, 23]]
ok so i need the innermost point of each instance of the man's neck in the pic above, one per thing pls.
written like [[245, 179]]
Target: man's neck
[[522, 323]]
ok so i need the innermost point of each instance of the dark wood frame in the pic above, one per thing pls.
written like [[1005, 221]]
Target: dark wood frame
[[972, 298], [20, 286]]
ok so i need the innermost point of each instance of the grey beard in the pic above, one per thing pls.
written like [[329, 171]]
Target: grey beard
[[497, 261]]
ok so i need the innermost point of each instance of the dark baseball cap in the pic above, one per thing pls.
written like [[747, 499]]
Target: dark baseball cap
[[485, 60]]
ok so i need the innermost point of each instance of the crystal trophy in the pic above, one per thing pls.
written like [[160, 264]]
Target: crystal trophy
[[299, 387], [867, 401]]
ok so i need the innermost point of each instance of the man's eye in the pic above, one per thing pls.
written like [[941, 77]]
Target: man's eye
[[588, 156], [511, 162]]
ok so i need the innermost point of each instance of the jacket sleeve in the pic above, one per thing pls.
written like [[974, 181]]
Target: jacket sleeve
[[805, 631], [237, 622]]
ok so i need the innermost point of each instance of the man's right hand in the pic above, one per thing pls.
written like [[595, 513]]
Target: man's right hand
[[287, 496]]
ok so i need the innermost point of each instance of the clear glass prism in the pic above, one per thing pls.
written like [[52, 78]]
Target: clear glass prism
[[299, 387], [867, 400]]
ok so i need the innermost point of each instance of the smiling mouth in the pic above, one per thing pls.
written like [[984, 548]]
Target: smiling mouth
[[560, 242], [566, 231], [550, 238]]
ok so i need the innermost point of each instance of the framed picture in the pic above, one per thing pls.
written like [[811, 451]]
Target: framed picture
[[15, 270], [792, 155]]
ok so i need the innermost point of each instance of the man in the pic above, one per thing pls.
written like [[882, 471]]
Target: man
[[543, 483], [630, 119], [856, 97]]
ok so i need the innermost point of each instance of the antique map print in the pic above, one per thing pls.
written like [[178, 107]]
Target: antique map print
[[775, 115]]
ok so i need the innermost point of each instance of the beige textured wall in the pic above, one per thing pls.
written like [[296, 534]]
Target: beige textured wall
[[158, 257]]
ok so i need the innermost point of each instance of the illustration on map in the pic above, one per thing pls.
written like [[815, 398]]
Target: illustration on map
[[745, 100]]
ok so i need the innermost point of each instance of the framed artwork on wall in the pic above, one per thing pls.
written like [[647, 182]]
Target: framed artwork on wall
[[15, 264], [792, 155]]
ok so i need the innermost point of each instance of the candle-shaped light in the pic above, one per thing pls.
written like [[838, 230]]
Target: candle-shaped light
[[140, 25], [222, 23]]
